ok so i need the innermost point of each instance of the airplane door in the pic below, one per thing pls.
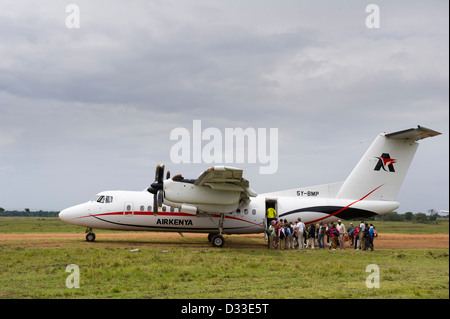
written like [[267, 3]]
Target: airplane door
[[128, 209], [271, 203]]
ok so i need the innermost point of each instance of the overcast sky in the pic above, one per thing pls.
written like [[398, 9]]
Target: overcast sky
[[88, 109]]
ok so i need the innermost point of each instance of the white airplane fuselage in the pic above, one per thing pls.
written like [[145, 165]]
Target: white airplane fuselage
[[133, 211]]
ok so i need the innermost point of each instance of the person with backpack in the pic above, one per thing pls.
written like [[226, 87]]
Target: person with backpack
[[366, 236], [288, 235], [334, 234], [356, 237], [321, 235], [281, 235], [351, 237], [311, 236]]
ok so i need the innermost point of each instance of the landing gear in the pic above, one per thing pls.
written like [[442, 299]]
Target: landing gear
[[217, 241], [90, 236]]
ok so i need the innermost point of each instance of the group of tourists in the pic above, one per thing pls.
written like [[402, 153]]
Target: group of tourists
[[288, 235]]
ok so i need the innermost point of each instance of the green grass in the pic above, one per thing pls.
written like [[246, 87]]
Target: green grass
[[37, 272], [38, 225], [183, 268]]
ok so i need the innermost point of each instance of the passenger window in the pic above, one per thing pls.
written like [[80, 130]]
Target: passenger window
[[246, 211], [128, 207], [164, 208], [253, 211], [149, 208], [142, 208], [238, 211], [172, 209]]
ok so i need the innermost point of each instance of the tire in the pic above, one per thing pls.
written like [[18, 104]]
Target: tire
[[217, 241], [90, 237]]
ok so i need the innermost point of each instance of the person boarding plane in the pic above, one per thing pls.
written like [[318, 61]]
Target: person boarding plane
[[220, 201]]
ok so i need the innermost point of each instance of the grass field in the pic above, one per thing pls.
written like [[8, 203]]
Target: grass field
[[108, 269], [221, 273]]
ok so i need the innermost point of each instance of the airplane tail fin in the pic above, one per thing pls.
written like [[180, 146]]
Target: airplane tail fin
[[382, 169]]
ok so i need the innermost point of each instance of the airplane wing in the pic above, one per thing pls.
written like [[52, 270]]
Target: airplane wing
[[219, 189], [225, 178]]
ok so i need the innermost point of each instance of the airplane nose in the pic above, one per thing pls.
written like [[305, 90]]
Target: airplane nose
[[74, 215], [64, 214], [69, 215]]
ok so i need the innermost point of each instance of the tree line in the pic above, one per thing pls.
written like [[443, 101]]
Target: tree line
[[27, 213], [430, 218]]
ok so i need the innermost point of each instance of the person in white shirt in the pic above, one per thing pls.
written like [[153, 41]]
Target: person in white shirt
[[300, 232], [341, 228], [361, 244]]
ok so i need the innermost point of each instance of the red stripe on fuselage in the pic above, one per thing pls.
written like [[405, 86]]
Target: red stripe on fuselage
[[176, 214], [342, 209]]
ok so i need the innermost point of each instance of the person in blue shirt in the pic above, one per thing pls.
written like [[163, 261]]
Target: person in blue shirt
[[371, 237]]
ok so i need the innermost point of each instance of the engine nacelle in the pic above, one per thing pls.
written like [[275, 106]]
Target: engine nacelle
[[207, 198]]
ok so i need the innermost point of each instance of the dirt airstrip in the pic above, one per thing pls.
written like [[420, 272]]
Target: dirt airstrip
[[147, 239]]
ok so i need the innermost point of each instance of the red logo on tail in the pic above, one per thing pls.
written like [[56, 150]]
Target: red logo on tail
[[384, 161]]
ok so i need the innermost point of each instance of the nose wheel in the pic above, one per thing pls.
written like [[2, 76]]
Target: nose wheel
[[90, 236]]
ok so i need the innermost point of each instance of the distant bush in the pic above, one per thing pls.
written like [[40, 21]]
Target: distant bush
[[28, 213], [431, 218]]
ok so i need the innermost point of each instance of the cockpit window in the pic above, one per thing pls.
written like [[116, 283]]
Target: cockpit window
[[104, 199]]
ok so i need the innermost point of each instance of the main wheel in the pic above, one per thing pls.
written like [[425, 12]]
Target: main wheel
[[217, 241], [90, 237]]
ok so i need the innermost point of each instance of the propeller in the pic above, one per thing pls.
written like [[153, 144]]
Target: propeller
[[156, 188]]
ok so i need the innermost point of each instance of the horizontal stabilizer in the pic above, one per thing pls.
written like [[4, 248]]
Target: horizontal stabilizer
[[413, 134]]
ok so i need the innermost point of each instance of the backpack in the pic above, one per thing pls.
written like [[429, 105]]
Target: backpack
[[375, 233], [281, 232], [287, 231]]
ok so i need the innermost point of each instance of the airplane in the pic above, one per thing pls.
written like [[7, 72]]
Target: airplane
[[220, 201]]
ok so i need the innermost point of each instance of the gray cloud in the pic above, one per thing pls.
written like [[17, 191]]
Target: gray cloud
[[88, 109]]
